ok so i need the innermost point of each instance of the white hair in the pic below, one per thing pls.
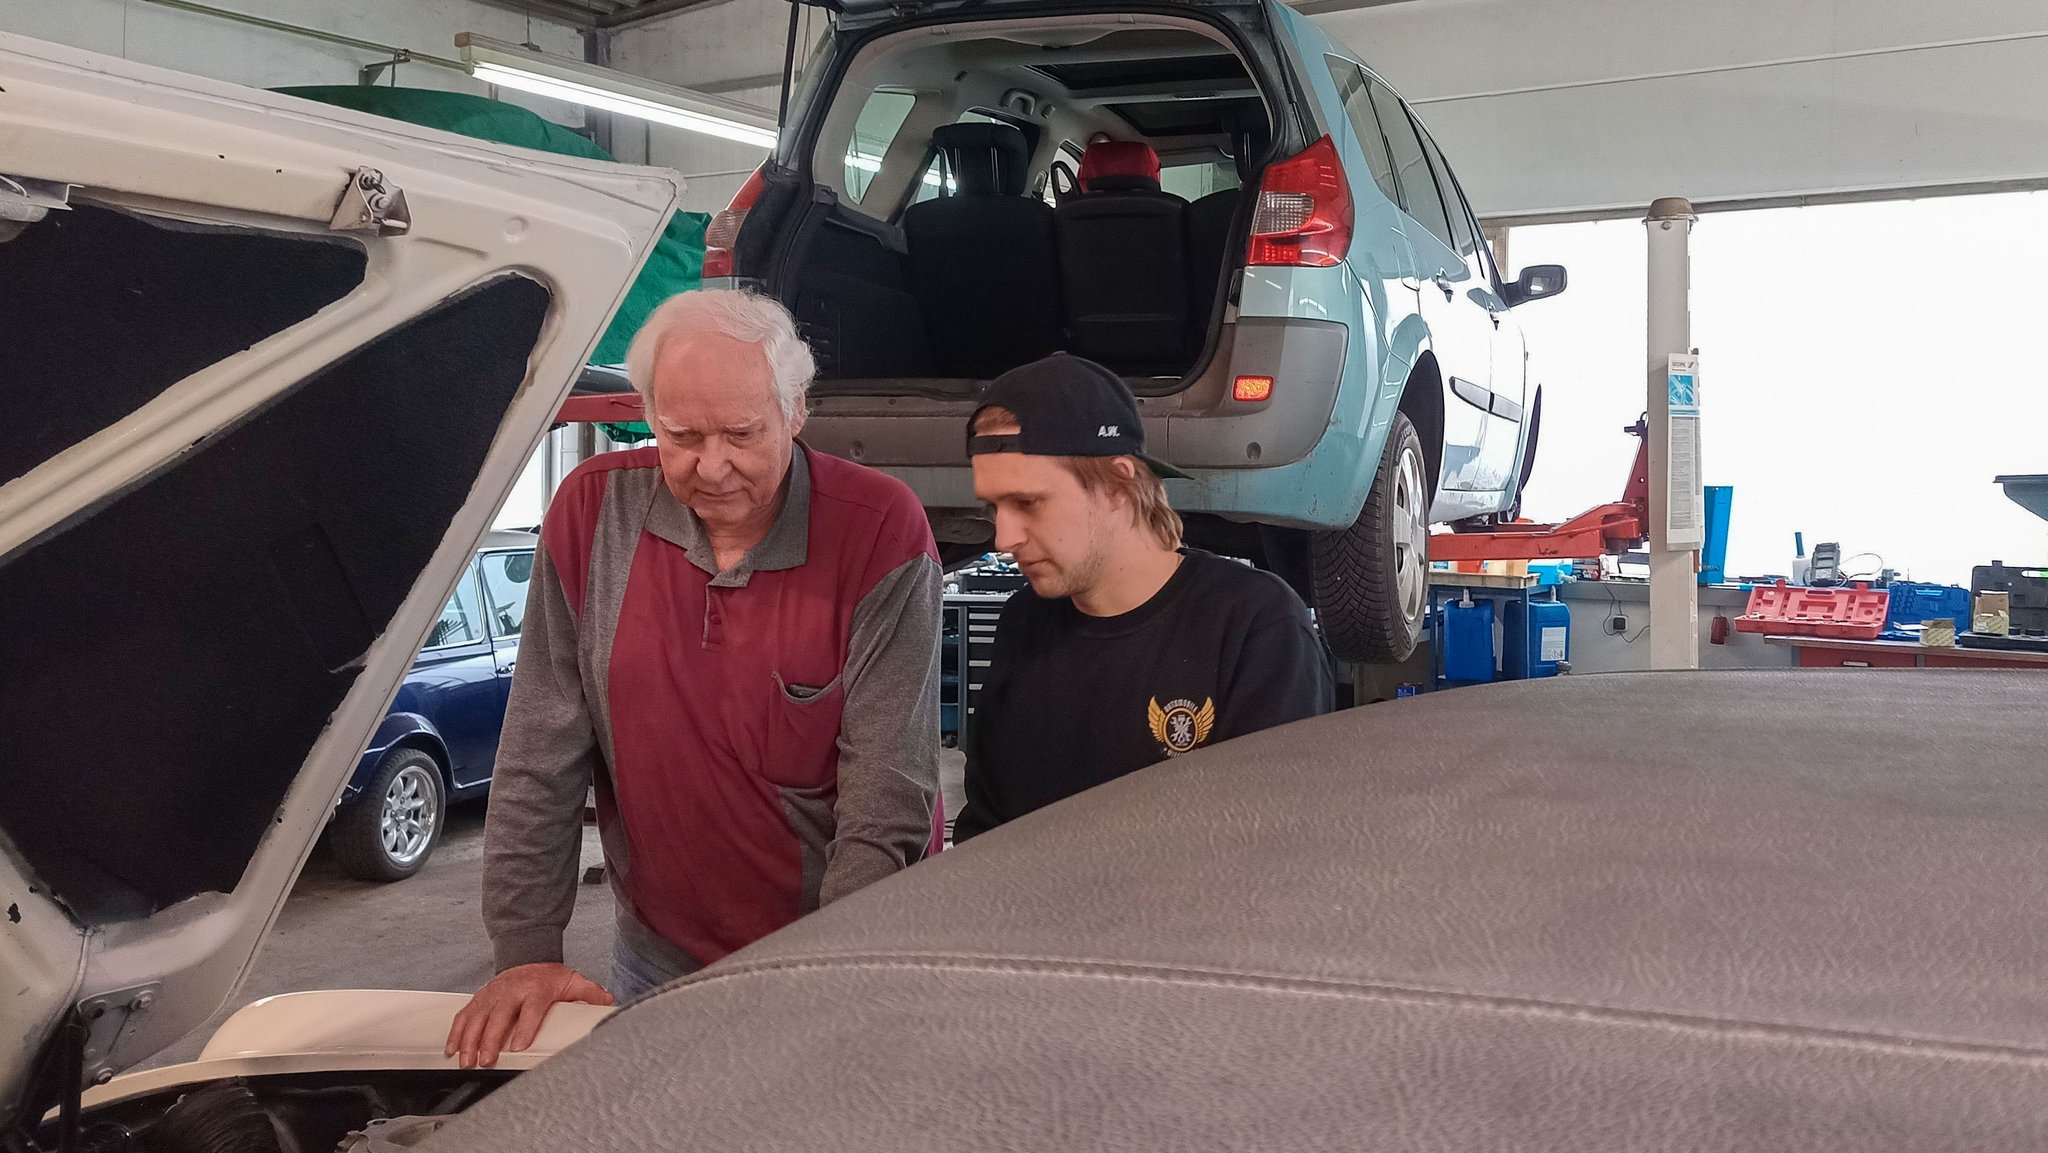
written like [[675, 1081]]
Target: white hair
[[739, 315]]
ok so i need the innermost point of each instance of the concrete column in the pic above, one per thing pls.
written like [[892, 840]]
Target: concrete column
[[1674, 569]]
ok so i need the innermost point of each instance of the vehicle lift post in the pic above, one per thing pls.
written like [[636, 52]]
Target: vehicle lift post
[[1674, 568]]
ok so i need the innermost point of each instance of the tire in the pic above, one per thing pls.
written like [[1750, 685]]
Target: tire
[[1371, 580], [407, 788]]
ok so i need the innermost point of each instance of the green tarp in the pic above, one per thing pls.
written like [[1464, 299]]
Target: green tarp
[[677, 262]]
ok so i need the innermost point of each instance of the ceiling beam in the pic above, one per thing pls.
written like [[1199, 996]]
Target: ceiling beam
[[652, 10]]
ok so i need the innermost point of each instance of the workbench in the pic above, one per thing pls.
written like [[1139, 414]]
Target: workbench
[[1829, 653]]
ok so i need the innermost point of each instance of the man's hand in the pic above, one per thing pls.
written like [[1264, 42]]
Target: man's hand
[[507, 1013]]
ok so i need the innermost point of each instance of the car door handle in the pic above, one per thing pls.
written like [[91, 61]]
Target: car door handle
[[1443, 281], [506, 668]]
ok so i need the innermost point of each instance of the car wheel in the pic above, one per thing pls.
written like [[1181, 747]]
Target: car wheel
[[389, 830], [1371, 580]]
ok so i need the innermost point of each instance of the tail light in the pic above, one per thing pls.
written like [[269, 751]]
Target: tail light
[[724, 230], [1304, 212]]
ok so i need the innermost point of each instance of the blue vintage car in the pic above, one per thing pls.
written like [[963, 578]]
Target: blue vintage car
[[439, 742]]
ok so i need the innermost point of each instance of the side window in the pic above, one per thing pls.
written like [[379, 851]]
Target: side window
[[1411, 167], [934, 181], [1365, 124], [506, 576], [1463, 233], [460, 623], [1070, 155], [881, 119]]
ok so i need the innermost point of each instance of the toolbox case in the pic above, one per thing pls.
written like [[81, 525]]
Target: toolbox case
[[2028, 588], [1856, 613]]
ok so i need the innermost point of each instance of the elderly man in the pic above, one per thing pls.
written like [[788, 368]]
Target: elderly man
[[736, 639]]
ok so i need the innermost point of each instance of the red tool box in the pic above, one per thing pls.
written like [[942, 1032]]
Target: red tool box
[[1848, 613]]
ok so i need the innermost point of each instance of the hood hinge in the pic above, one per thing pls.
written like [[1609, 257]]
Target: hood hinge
[[371, 203], [24, 201]]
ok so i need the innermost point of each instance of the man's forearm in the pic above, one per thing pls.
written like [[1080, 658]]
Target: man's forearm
[[888, 741], [547, 753]]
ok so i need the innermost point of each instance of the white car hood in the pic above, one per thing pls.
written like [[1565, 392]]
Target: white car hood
[[253, 424]]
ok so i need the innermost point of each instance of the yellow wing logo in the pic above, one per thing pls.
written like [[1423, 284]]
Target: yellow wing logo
[[1180, 726]]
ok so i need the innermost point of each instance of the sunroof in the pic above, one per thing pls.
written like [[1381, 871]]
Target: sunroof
[[1084, 75], [1184, 117]]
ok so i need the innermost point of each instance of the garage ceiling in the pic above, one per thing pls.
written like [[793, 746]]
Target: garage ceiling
[[622, 13], [601, 13]]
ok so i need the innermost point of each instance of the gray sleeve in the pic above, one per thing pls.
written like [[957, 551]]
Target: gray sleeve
[[533, 833], [889, 739]]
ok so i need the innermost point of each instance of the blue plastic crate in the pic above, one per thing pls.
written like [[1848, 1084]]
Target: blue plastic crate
[[1914, 604]]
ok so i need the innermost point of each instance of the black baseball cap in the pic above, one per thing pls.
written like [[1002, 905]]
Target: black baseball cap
[[1065, 406]]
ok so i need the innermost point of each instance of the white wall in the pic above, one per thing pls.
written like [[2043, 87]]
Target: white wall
[[1548, 106], [708, 49], [242, 54]]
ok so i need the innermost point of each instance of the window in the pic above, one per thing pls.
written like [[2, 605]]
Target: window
[[1193, 181], [460, 622], [881, 119], [1463, 232], [1353, 89], [1411, 167], [506, 575]]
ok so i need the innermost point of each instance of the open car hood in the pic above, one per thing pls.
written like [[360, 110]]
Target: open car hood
[[270, 368]]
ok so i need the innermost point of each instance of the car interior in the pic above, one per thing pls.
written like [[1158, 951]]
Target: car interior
[[1024, 190]]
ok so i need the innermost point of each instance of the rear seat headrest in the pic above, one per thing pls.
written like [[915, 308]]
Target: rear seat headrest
[[1119, 166], [985, 159]]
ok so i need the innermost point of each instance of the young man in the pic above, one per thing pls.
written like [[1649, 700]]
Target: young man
[[1127, 649]]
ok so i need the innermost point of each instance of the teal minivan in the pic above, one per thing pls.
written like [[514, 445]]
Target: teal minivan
[[1211, 197]]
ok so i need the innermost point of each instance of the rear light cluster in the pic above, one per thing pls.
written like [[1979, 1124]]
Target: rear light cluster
[[1252, 389], [1304, 211], [724, 230]]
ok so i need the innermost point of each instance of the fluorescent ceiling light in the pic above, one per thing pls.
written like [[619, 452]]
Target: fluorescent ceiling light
[[874, 164], [558, 77]]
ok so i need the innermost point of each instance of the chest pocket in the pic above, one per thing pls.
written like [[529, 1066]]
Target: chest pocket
[[803, 734]]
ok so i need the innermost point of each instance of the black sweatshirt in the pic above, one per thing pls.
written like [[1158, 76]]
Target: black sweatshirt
[[1072, 701]]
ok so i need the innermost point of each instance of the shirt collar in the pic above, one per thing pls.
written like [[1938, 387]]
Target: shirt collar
[[787, 545]]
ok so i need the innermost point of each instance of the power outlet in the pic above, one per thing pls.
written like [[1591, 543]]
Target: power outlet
[[1617, 624]]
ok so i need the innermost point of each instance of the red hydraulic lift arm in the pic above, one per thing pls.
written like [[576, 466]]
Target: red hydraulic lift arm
[[601, 407], [1609, 528]]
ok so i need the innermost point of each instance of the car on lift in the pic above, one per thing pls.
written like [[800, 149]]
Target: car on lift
[[438, 744], [1212, 198]]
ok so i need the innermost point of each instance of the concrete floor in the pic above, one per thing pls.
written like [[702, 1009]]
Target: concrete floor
[[426, 932]]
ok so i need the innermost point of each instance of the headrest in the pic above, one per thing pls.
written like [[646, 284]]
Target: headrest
[[1119, 166], [985, 159]]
